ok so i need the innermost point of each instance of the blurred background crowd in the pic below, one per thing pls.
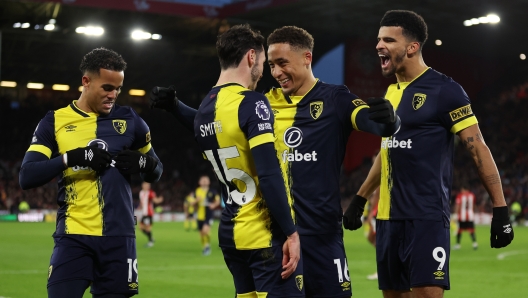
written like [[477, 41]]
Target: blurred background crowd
[[500, 111]]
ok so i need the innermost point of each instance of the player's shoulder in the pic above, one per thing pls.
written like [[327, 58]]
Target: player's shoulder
[[334, 91], [274, 94], [119, 110], [446, 83]]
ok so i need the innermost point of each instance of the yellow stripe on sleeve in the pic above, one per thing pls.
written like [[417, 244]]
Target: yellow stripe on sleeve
[[261, 139], [354, 114], [41, 149], [145, 149], [464, 124]]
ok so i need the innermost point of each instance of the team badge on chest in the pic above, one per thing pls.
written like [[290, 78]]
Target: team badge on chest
[[418, 100], [316, 109], [120, 126]]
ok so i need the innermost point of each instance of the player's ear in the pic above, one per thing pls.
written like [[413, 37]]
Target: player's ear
[[308, 58], [413, 48], [251, 57], [85, 81]]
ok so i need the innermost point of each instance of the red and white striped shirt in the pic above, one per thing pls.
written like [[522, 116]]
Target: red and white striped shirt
[[466, 202], [145, 198]]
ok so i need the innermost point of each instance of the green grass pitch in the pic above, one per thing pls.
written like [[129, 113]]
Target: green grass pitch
[[174, 267]]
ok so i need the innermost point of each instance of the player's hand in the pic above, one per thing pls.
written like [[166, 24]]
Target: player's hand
[[501, 228], [91, 156], [164, 98], [291, 254], [381, 110], [352, 216], [133, 162]]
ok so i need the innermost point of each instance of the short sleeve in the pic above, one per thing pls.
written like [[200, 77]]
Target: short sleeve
[[43, 140], [454, 108], [256, 119], [348, 105], [141, 134]]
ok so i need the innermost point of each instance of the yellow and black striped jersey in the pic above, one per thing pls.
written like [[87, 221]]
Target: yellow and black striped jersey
[[417, 161], [204, 199], [230, 121], [91, 203], [312, 132]]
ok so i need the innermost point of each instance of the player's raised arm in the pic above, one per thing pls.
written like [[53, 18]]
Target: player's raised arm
[[165, 99], [501, 228]]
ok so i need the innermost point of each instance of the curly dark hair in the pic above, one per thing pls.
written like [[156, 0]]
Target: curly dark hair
[[296, 37], [414, 26], [235, 42], [102, 58]]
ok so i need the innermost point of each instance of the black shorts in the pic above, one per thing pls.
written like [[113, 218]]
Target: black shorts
[[259, 270], [201, 223], [146, 220], [109, 262], [325, 266], [412, 253], [466, 225]]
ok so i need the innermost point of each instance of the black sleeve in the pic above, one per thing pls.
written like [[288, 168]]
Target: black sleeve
[[37, 169], [272, 186], [385, 130], [185, 115], [155, 175]]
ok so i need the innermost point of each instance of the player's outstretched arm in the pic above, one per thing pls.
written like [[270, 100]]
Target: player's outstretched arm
[[274, 192], [165, 99], [501, 228], [379, 119], [352, 215]]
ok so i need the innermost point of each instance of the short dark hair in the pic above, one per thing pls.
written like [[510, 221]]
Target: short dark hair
[[296, 37], [414, 26], [235, 42], [102, 58]]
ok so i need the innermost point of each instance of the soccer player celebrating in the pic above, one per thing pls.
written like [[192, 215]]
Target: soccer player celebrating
[[312, 123], [465, 204], [205, 200], [415, 167], [147, 199], [82, 144], [234, 128]]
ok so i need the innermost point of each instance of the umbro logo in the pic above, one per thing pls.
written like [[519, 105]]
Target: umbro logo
[[142, 162], [88, 155], [70, 127], [507, 228]]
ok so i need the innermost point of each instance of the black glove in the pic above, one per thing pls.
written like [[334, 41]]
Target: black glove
[[381, 110], [91, 156], [164, 98], [352, 216], [133, 162], [501, 228]]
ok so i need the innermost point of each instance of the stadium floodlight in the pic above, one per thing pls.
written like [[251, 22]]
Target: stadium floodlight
[[522, 56], [17, 25], [136, 92], [80, 88], [156, 36], [25, 25], [9, 84], [489, 19], [438, 42], [140, 34], [90, 30], [493, 18], [60, 87], [51, 21], [49, 27], [467, 23], [35, 86]]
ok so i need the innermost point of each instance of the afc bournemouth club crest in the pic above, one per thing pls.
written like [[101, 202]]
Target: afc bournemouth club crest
[[418, 100], [316, 108], [299, 281], [120, 126]]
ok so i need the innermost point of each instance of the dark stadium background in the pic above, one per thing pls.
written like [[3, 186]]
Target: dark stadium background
[[484, 59]]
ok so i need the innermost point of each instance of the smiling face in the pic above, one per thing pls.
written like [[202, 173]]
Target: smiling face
[[289, 66], [101, 91], [392, 50]]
